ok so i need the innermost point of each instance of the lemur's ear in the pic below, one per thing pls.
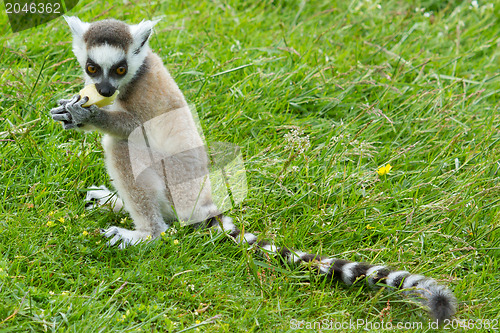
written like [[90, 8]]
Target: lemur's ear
[[141, 33], [78, 27]]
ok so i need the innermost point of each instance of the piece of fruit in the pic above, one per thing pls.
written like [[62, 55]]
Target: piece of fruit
[[95, 98]]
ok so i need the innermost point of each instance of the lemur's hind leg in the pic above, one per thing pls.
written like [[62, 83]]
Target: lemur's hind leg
[[142, 197]]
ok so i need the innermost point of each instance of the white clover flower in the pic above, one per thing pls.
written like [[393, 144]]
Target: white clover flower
[[297, 141]]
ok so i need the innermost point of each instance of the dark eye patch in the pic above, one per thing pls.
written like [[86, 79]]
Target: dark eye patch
[[92, 65], [113, 69]]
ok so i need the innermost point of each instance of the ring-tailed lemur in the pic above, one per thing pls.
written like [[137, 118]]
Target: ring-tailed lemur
[[149, 118]]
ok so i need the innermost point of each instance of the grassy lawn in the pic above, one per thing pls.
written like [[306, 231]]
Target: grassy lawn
[[319, 95]]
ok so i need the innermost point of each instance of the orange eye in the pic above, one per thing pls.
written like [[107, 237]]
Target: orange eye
[[91, 69], [121, 70]]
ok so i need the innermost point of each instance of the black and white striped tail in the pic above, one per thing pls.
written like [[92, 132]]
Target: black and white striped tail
[[437, 298]]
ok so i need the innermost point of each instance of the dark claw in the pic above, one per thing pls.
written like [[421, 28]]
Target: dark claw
[[83, 100], [68, 125], [91, 202]]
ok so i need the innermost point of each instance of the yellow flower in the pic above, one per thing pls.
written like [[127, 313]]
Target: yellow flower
[[85, 233], [198, 322], [176, 242], [50, 224], [61, 219], [51, 213], [384, 170], [163, 234], [369, 227]]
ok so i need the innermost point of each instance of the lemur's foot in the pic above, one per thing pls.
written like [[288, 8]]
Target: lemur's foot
[[102, 196], [125, 237]]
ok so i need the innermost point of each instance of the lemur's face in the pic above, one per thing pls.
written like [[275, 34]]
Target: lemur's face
[[110, 52], [107, 67]]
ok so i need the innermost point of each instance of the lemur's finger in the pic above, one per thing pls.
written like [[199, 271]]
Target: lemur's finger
[[76, 103], [65, 101], [62, 117], [59, 109], [82, 101], [72, 100]]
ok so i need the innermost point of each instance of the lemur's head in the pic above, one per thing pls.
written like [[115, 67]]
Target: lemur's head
[[110, 51]]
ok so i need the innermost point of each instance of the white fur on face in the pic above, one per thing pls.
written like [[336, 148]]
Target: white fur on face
[[135, 61], [106, 56]]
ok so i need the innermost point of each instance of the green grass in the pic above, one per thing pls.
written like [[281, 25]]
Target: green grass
[[413, 84]]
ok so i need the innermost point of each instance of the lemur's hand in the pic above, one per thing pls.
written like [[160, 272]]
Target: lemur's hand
[[72, 113], [60, 114], [79, 114]]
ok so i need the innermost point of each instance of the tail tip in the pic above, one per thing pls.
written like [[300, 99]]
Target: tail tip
[[442, 306]]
